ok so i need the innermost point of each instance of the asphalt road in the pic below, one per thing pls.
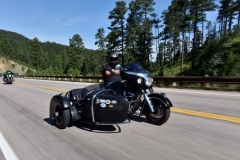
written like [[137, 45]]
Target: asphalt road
[[24, 111]]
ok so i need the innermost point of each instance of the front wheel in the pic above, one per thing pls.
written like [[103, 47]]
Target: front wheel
[[10, 81], [160, 115], [61, 117]]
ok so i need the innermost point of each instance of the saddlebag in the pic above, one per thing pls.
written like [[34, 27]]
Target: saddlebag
[[104, 106]]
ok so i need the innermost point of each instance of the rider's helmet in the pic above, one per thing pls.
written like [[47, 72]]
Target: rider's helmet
[[113, 58]]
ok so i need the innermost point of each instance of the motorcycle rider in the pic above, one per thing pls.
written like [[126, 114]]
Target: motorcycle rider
[[112, 77], [5, 74]]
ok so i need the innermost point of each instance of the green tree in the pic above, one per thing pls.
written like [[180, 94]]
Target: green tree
[[182, 21], [6, 48], [36, 53], [65, 60], [197, 11], [99, 36], [117, 34], [100, 41], [57, 65], [76, 48], [132, 27], [142, 12], [226, 15]]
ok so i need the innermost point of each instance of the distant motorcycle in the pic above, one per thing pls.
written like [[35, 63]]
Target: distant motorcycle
[[8, 77]]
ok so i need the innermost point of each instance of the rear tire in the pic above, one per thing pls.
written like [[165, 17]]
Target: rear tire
[[161, 114], [61, 117]]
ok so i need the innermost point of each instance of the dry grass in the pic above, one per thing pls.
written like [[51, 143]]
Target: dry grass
[[12, 66]]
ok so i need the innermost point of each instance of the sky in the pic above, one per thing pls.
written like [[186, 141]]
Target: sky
[[57, 20]]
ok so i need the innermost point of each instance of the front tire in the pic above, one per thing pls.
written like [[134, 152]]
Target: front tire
[[160, 115], [61, 117]]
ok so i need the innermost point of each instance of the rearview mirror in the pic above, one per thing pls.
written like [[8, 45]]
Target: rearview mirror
[[118, 67]]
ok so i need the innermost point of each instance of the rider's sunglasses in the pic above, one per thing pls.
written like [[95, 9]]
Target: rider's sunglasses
[[113, 59]]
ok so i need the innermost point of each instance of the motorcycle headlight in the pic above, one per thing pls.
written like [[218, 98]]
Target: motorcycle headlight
[[139, 80], [148, 81]]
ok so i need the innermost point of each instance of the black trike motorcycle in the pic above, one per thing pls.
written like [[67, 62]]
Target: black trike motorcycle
[[97, 105]]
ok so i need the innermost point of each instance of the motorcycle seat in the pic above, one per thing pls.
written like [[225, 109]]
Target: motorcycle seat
[[89, 88], [79, 93]]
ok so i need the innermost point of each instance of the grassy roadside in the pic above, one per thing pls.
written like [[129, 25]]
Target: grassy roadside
[[175, 69], [199, 86]]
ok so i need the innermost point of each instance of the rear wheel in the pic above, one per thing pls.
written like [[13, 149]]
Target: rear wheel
[[160, 115], [61, 117]]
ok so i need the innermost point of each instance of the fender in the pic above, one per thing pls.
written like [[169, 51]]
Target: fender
[[74, 114], [164, 99], [161, 98], [169, 102], [64, 101]]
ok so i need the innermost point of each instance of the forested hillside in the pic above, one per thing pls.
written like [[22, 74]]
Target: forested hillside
[[185, 42]]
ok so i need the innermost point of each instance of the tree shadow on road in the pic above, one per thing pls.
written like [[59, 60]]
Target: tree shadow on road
[[89, 127]]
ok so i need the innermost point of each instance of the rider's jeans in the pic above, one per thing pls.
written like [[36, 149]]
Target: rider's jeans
[[116, 86]]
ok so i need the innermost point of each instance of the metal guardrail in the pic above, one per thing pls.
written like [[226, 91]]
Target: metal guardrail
[[188, 79], [200, 79]]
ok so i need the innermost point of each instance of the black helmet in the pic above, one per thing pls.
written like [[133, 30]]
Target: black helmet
[[113, 58]]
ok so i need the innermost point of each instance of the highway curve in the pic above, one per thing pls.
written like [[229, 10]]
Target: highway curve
[[202, 125]]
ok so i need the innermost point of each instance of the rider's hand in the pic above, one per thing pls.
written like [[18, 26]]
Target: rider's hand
[[116, 72]]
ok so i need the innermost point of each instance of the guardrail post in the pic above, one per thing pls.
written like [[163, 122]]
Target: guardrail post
[[174, 84], [207, 85]]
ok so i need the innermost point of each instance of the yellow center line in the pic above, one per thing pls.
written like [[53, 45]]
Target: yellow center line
[[42, 87], [207, 115], [177, 110]]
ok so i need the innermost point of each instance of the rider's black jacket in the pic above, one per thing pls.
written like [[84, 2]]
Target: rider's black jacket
[[115, 77]]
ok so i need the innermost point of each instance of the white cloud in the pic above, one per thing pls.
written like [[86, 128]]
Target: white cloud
[[72, 21]]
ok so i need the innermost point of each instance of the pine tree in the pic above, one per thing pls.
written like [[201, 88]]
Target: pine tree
[[36, 53], [76, 55]]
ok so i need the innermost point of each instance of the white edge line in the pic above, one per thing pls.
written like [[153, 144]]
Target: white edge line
[[6, 149]]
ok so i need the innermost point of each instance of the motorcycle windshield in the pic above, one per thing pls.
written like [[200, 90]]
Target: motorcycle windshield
[[134, 67]]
